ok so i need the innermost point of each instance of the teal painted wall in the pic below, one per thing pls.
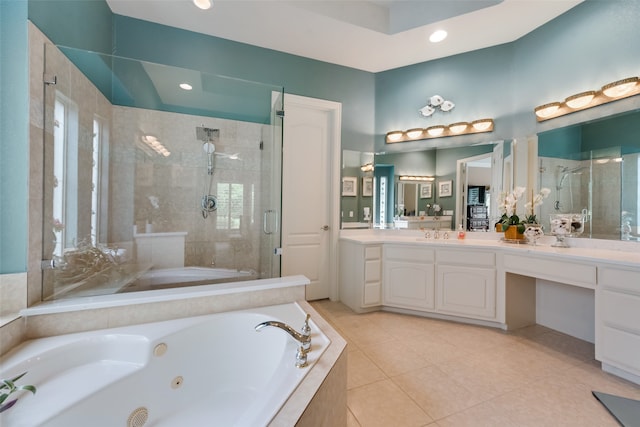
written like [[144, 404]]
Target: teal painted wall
[[355, 89], [618, 131], [82, 24], [582, 49], [575, 52], [14, 136]]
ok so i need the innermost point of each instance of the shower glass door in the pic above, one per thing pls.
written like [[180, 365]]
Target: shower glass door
[[147, 185]]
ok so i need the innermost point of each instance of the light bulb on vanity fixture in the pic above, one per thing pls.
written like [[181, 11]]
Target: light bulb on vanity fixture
[[435, 130], [458, 127], [610, 92]]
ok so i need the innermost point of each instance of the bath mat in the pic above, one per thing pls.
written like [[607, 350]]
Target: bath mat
[[626, 411]]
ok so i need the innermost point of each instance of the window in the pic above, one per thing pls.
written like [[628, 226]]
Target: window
[[99, 180], [65, 173], [230, 205]]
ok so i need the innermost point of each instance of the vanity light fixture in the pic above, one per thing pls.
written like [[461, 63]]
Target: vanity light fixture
[[367, 167], [394, 136], [482, 125], [416, 178], [414, 133], [435, 130], [610, 92], [458, 127], [438, 131], [547, 110], [581, 99], [621, 87]]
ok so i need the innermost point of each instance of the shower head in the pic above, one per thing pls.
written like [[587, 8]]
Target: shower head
[[565, 171], [207, 134]]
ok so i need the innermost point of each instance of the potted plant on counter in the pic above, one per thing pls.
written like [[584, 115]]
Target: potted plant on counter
[[511, 224]]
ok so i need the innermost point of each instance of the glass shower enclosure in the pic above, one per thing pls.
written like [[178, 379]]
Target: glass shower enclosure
[[156, 176]]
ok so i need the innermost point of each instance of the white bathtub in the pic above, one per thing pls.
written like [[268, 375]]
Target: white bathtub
[[216, 370]]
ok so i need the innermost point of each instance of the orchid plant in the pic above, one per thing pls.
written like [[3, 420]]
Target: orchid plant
[[507, 207]]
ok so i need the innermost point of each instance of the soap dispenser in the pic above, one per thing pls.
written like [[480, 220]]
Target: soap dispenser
[[461, 232]]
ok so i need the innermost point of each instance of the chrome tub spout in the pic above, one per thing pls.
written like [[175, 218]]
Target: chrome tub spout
[[303, 337]]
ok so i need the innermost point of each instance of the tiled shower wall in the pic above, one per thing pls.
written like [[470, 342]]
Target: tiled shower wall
[[179, 181]]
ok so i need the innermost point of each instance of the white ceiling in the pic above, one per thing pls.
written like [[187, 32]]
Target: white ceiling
[[371, 35]]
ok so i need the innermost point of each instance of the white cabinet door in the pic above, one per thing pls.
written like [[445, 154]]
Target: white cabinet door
[[408, 285], [466, 291]]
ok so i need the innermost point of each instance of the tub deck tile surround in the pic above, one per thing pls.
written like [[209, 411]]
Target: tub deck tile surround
[[108, 311], [320, 399]]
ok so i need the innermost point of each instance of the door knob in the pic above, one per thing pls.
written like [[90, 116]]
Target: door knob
[[324, 227]]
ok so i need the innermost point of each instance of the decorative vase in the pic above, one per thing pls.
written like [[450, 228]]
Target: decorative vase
[[533, 232], [511, 233]]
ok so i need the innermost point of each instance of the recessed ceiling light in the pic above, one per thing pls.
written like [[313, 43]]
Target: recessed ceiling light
[[203, 4], [185, 86], [438, 36]]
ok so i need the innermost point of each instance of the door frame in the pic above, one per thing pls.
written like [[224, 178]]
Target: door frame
[[335, 132]]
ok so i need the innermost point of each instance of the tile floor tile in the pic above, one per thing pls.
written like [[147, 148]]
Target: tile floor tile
[[383, 404], [413, 371]]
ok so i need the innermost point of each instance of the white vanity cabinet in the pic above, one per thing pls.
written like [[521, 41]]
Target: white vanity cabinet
[[466, 283], [618, 320], [360, 275], [408, 277]]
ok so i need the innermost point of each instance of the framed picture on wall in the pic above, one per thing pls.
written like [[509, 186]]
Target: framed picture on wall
[[425, 191], [349, 186], [445, 188], [367, 186]]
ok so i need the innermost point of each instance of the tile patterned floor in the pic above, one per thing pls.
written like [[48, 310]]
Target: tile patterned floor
[[412, 371]]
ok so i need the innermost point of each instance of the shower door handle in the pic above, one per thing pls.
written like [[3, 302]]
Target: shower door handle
[[265, 221]]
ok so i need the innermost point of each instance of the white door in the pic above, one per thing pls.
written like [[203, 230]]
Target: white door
[[310, 200]]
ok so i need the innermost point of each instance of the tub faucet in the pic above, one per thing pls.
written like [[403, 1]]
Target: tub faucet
[[303, 337]]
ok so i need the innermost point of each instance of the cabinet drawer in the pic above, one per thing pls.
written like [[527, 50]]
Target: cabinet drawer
[[373, 252], [467, 257], [628, 280], [372, 270], [620, 310], [621, 349], [558, 271], [409, 253]]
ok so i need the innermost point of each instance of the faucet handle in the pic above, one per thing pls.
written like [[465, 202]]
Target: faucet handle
[[306, 332]]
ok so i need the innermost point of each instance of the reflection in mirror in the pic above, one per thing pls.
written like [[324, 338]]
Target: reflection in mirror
[[357, 205], [443, 164], [145, 188], [592, 170]]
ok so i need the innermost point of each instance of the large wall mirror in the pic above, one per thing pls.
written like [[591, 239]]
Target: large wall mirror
[[592, 170], [432, 188]]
